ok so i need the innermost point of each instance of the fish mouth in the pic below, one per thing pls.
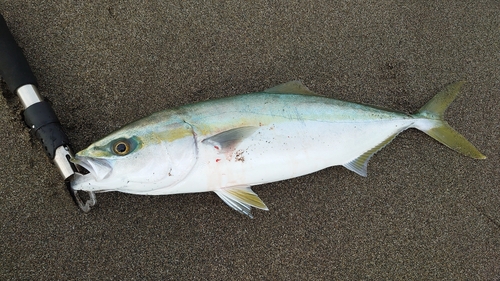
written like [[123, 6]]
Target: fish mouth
[[98, 168]]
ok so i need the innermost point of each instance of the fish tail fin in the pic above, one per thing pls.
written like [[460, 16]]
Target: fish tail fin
[[431, 121]]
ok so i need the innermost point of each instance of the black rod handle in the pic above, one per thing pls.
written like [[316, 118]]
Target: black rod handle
[[38, 114], [14, 67]]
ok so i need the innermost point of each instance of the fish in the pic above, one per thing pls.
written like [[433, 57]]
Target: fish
[[230, 144]]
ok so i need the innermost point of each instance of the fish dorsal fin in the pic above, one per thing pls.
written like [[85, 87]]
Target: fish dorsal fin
[[241, 198], [228, 140], [292, 87], [360, 164]]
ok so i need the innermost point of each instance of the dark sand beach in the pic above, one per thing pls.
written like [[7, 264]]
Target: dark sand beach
[[424, 212]]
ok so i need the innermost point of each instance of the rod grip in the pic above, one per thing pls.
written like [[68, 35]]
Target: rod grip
[[14, 67], [43, 122]]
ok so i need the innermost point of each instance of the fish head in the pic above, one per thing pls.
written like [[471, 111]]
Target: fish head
[[138, 158]]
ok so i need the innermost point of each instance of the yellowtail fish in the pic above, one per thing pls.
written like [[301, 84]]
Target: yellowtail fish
[[228, 145]]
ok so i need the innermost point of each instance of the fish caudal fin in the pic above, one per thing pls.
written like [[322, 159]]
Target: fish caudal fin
[[432, 122]]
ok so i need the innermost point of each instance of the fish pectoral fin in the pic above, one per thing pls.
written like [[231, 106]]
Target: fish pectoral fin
[[241, 198], [292, 87], [360, 164], [228, 140]]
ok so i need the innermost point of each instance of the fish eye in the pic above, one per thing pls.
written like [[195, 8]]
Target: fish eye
[[121, 147]]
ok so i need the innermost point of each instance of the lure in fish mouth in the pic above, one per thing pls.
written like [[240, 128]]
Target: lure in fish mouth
[[228, 145], [99, 169]]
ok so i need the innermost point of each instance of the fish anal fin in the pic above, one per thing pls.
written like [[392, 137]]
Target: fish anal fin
[[360, 164], [241, 198], [228, 140], [292, 87]]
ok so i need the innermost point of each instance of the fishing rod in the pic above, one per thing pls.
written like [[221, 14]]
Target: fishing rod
[[38, 113]]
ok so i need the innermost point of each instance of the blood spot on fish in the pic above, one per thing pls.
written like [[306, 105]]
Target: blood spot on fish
[[239, 156], [217, 160], [216, 147]]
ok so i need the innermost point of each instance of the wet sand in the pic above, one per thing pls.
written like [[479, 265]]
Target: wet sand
[[424, 212]]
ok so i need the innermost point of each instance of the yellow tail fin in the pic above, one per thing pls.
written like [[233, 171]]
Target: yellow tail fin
[[436, 127]]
